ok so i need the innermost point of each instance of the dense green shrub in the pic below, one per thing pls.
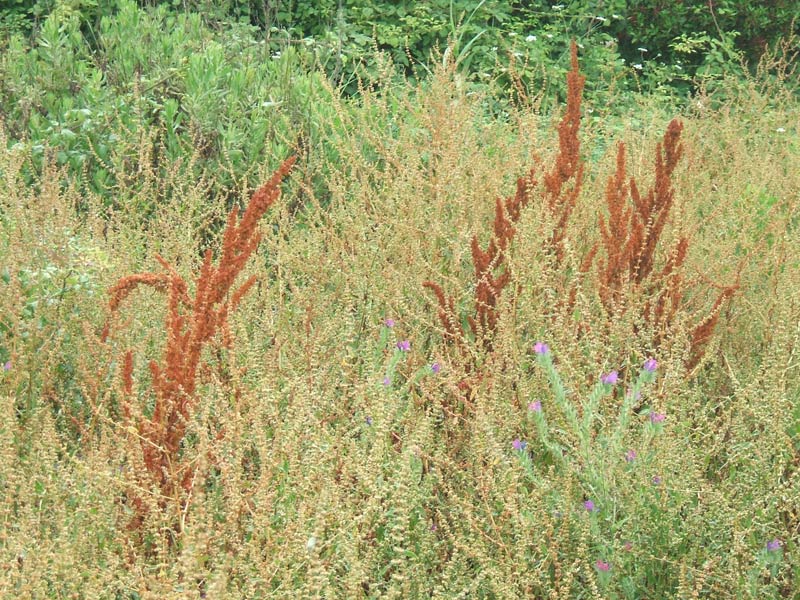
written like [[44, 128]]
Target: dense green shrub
[[156, 82], [663, 42], [519, 42]]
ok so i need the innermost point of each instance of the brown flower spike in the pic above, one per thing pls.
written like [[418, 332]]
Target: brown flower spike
[[191, 324]]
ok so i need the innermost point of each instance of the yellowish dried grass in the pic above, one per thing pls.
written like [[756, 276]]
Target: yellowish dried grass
[[303, 498]]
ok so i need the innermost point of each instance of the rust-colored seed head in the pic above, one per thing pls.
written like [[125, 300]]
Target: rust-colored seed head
[[568, 166], [174, 380]]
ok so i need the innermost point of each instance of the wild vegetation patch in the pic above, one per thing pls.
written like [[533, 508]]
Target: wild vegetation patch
[[548, 354]]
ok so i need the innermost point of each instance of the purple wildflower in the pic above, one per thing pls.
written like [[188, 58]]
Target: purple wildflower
[[7, 366], [602, 566], [368, 420], [657, 417], [657, 480], [518, 444], [627, 546], [774, 545], [630, 456], [535, 406], [589, 505], [387, 382], [436, 367], [389, 323], [541, 348], [610, 378], [404, 345], [636, 397], [650, 365]]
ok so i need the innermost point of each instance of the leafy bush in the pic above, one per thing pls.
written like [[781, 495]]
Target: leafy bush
[[664, 44], [91, 104]]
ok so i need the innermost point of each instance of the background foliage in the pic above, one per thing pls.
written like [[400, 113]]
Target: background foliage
[[672, 41]]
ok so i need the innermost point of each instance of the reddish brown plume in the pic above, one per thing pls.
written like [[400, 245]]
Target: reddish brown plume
[[191, 324]]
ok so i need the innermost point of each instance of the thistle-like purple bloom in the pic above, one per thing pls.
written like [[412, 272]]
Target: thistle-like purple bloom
[[774, 545], [541, 348], [650, 365], [636, 397], [657, 417], [602, 566], [589, 505], [535, 406], [387, 382], [518, 444], [404, 345], [436, 367], [657, 480], [630, 456], [389, 323], [610, 378]]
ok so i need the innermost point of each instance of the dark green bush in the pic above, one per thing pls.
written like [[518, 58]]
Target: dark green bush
[[663, 43], [155, 80], [671, 41]]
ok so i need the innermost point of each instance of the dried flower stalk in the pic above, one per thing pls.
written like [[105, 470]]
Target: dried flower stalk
[[492, 273], [630, 236], [191, 324], [568, 166]]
